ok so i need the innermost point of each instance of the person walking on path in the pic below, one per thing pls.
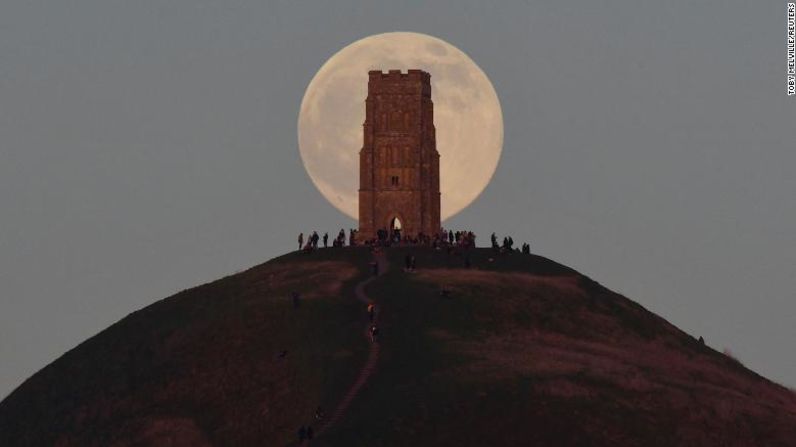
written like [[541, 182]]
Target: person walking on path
[[374, 333], [295, 297], [318, 413], [371, 311]]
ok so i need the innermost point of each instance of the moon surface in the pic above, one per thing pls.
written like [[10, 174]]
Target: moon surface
[[467, 117]]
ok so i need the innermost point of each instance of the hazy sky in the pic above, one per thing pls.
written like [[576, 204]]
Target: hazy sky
[[150, 146]]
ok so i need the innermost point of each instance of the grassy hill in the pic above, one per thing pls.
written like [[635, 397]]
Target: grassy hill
[[522, 351]]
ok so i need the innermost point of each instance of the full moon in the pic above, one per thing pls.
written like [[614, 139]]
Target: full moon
[[467, 117]]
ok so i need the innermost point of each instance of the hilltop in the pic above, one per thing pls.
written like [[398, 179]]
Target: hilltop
[[518, 350]]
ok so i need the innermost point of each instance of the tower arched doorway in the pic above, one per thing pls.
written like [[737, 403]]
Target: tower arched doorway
[[395, 229]]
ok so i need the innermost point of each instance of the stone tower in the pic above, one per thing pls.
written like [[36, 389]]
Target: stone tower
[[399, 162]]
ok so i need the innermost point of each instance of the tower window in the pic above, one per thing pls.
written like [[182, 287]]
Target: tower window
[[394, 180]]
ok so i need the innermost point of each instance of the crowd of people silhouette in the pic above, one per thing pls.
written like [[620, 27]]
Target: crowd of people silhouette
[[445, 239]]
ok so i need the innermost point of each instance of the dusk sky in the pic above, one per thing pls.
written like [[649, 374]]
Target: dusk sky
[[149, 147]]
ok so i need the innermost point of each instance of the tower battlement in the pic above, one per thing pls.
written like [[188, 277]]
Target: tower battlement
[[396, 82], [397, 75]]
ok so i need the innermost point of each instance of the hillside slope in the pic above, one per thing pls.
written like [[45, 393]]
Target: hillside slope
[[521, 351]]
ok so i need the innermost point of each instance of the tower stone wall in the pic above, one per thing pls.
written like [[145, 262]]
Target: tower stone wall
[[399, 162]]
